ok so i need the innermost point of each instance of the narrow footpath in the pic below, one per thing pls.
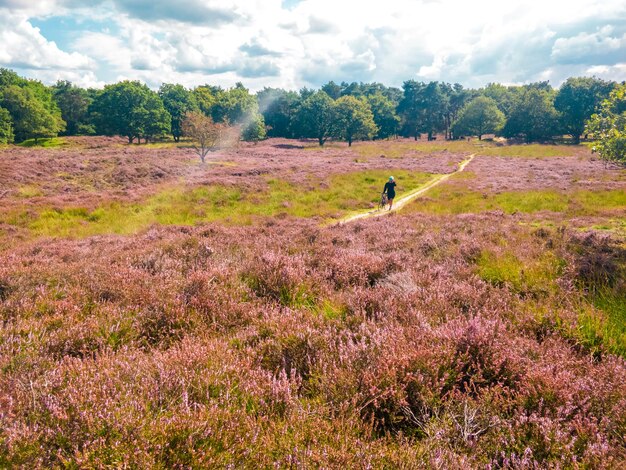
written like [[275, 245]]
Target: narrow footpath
[[404, 200]]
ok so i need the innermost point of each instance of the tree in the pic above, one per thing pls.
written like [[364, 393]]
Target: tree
[[131, 109], [608, 127], [178, 101], [206, 133], [456, 98], [235, 106], [423, 108], [410, 108], [385, 117], [316, 117], [254, 130], [502, 95], [354, 119], [278, 108], [6, 127], [32, 116], [577, 100], [479, 116], [205, 98], [532, 115], [73, 103], [333, 90]]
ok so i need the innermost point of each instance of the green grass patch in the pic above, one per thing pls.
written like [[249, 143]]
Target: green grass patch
[[603, 327], [48, 142], [530, 150], [452, 199], [188, 206], [28, 191], [525, 277]]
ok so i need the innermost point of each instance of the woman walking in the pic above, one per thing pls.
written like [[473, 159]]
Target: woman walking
[[390, 190]]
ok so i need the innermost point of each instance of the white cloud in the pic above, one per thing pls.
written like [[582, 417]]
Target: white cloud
[[262, 43]]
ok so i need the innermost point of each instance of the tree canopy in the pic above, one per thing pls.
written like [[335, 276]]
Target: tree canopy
[[354, 119], [532, 115], [131, 109], [577, 99], [316, 116], [608, 127], [478, 117], [178, 101]]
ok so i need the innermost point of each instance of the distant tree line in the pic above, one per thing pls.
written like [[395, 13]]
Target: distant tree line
[[345, 111]]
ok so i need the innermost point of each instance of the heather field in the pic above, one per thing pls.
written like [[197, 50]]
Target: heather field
[[162, 313]]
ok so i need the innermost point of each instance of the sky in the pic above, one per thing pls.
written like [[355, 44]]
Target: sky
[[296, 43]]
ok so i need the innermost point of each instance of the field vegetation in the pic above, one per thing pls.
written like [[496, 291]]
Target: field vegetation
[[158, 312]]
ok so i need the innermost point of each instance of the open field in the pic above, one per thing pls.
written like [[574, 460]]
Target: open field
[[159, 313]]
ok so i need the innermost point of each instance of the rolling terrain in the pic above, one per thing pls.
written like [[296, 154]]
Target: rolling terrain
[[161, 313]]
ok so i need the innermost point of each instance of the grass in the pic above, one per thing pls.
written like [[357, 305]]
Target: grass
[[29, 191], [529, 151], [48, 142], [398, 149], [524, 277], [602, 324], [189, 206], [452, 199]]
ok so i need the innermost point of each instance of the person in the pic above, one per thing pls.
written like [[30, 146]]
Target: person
[[390, 189]]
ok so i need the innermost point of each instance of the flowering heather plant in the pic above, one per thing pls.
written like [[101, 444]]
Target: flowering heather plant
[[412, 341]]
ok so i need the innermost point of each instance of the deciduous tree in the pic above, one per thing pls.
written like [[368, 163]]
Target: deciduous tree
[[608, 127], [32, 116], [178, 101], [354, 119], [385, 117], [532, 115], [73, 102], [480, 116], [6, 127], [131, 109], [205, 133], [577, 99], [316, 117]]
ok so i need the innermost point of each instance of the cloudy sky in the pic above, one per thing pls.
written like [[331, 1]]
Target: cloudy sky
[[295, 43]]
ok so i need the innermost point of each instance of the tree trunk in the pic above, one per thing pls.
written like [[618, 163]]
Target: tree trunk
[[577, 139], [321, 140], [349, 142], [480, 137]]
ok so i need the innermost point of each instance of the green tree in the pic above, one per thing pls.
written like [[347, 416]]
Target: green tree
[[479, 116], [354, 119], [577, 99], [205, 98], [73, 102], [411, 108], [33, 112], [6, 127], [316, 117], [235, 106], [423, 108], [608, 127], [254, 130], [532, 115], [503, 96], [178, 101], [385, 117], [130, 109], [456, 98], [278, 108]]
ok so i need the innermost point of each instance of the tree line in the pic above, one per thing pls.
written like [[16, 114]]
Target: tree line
[[345, 111]]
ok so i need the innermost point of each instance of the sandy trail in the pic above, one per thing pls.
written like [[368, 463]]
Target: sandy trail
[[401, 202]]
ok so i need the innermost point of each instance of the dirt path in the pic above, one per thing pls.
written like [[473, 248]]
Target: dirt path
[[401, 202]]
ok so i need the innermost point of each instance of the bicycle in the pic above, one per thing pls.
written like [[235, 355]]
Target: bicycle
[[383, 202]]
